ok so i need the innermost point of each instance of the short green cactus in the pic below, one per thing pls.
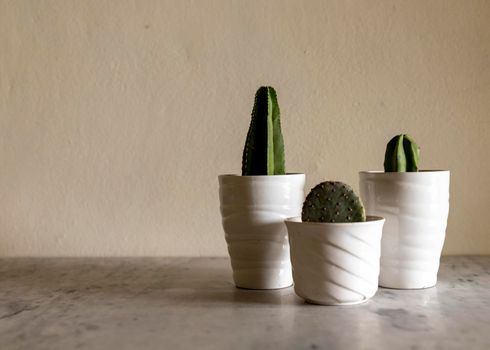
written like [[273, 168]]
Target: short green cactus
[[402, 154], [263, 153], [333, 201]]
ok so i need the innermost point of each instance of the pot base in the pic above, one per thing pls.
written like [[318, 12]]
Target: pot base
[[273, 288], [262, 278], [315, 302], [407, 288], [394, 278]]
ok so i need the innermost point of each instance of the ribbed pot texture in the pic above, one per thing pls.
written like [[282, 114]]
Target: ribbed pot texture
[[335, 263], [416, 207], [253, 209]]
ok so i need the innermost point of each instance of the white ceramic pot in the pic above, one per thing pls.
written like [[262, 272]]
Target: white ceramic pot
[[335, 263], [253, 209], [416, 207]]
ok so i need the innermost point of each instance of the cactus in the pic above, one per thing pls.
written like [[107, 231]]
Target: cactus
[[332, 201], [263, 153], [402, 154]]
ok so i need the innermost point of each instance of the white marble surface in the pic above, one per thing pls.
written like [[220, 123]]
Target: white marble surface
[[173, 303]]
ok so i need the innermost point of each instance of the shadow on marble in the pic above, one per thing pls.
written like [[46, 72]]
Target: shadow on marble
[[193, 282], [189, 281]]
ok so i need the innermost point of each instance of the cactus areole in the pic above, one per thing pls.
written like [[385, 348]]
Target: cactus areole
[[402, 155], [332, 201], [263, 153]]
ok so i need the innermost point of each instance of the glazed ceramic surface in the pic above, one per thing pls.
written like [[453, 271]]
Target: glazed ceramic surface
[[253, 210], [416, 207], [335, 263]]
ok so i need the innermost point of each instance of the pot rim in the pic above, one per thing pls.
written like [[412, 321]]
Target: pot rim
[[423, 171], [260, 176], [370, 220]]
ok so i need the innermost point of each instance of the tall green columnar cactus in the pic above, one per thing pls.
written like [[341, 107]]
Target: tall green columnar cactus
[[264, 148], [402, 154]]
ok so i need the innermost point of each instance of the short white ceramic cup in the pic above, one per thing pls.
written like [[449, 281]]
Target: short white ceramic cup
[[335, 263], [416, 207], [253, 209]]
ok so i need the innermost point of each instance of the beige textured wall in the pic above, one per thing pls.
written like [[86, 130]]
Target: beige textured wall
[[117, 116]]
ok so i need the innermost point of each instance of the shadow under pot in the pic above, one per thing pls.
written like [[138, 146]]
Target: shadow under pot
[[416, 207], [335, 263], [253, 210]]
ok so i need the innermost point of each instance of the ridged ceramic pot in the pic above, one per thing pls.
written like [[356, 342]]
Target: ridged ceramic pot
[[253, 209], [335, 263], [416, 207]]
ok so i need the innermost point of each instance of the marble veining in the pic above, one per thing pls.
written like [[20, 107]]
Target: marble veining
[[185, 303]]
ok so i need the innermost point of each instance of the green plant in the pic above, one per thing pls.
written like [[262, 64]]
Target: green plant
[[263, 153], [402, 154], [332, 201]]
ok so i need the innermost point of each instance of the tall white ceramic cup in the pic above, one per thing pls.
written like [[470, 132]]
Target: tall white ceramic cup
[[253, 209], [416, 207]]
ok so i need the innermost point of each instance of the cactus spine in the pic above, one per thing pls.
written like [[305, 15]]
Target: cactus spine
[[332, 201], [263, 153], [402, 154]]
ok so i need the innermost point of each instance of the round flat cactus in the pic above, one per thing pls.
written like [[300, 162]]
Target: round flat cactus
[[333, 201]]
